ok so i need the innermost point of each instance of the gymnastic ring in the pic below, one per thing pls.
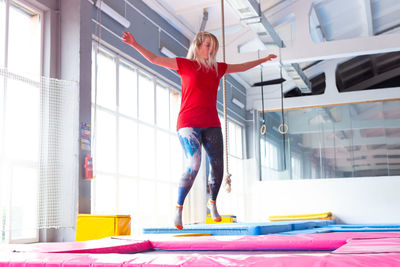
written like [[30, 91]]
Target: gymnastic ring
[[285, 126], [263, 129]]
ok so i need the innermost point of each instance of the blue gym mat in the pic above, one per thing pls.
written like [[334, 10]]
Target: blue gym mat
[[252, 228], [346, 228]]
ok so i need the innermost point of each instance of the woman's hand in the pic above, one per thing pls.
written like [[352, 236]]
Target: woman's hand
[[232, 68], [270, 56], [128, 38], [165, 62]]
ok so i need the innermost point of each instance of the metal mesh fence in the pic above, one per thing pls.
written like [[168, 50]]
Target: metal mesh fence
[[38, 132]]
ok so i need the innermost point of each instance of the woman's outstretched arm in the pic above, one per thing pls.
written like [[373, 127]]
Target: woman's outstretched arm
[[232, 68], [166, 62]]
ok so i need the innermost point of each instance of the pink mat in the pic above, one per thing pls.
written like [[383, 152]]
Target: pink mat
[[370, 245], [321, 241], [105, 245], [363, 247], [197, 259]]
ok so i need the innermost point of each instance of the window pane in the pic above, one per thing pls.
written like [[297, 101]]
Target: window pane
[[2, 105], [105, 192], [128, 196], [24, 47], [176, 158], [4, 201], [147, 195], [222, 120], [162, 155], [106, 81], [162, 106], [232, 138], [94, 63], [165, 200], [2, 31], [105, 142], [128, 150], [22, 117], [127, 90], [175, 104], [146, 99], [146, 151], [239, 142], [24, 203], [296, 167]]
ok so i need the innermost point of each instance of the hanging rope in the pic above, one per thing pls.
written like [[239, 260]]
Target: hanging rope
[[263, 129], [283, 128], [227, 181]]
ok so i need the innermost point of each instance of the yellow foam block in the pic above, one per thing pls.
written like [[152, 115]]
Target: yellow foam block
[[90, 227], [316, 216], [224, 219], [191, 234]]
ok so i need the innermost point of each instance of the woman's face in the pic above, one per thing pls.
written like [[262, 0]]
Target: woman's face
[[205, 49]]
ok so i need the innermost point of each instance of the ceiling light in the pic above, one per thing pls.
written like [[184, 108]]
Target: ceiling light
[[238, 103], [167, 52], [112, 13]]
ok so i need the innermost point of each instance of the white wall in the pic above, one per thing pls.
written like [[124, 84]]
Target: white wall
[[367, 200]]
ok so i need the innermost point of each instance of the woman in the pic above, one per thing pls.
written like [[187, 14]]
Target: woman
[[198, 122]]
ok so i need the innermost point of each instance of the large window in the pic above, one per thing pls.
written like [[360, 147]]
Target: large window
[[20, 54], [138, 158], [353, 140]]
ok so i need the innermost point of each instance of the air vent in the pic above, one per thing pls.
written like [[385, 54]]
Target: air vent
[[369, 72], [318, 86]]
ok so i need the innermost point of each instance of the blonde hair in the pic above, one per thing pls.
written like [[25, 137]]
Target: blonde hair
[[193, 52]]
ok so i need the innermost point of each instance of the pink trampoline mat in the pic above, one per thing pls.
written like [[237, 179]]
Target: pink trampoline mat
[[351, 249], [222, 258], [301, 242], [370, 245]]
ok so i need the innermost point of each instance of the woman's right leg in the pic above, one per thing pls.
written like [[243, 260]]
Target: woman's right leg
[[190, 139]]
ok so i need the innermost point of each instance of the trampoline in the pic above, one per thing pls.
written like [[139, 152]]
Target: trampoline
[[335, 248]]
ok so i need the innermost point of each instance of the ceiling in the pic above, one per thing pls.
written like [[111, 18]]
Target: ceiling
[[259, 25]]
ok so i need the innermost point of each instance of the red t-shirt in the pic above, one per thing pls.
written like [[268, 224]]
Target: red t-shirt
[[199, 94]]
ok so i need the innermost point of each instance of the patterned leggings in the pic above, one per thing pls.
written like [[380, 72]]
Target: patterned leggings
[[192, 138]]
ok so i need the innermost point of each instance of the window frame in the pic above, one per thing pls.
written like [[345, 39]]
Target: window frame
[[19, 162]]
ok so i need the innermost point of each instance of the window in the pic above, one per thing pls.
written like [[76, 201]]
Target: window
[[146, 99], [269, 154], [2, 31], [138, 158], [127, 90], [235, 139], [296, 166], [20, 121]]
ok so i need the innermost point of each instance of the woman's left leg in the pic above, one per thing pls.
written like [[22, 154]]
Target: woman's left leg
[[213, 144]]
